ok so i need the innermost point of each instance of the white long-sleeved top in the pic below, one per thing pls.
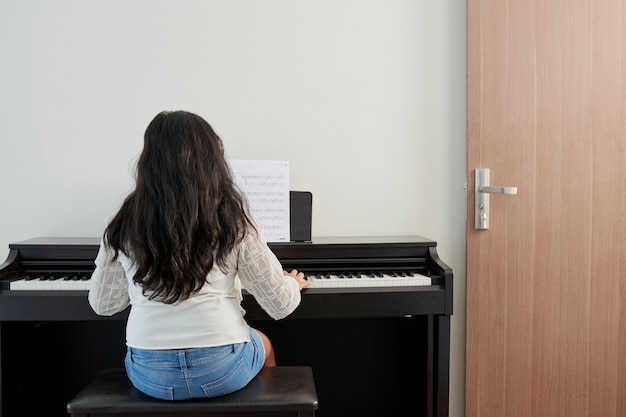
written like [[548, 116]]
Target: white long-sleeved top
[[211, 317]]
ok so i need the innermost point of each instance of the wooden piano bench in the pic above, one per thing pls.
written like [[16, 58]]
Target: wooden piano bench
[[280, 391]]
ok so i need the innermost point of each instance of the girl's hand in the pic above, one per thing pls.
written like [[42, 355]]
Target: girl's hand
[[299, 277]]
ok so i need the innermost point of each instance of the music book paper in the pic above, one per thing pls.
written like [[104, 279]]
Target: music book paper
[[266, 186]]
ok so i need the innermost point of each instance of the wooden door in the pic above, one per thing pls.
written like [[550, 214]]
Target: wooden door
[[546, 284]]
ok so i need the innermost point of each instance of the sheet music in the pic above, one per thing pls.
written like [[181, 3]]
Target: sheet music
[[266, 186]]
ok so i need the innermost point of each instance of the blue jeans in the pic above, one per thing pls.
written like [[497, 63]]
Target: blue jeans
[[181, 374]]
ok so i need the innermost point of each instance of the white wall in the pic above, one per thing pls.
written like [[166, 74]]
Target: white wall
[[364, 98]]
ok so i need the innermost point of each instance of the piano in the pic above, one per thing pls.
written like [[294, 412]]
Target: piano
[[374, 324]]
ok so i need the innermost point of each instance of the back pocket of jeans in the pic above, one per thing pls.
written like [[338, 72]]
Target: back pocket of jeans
[[236, 378]]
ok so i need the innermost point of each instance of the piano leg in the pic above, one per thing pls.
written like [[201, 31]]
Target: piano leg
[[1, 374], [439, 357]]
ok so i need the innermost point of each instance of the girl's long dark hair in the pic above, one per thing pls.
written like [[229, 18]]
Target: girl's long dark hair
[[186, 213]]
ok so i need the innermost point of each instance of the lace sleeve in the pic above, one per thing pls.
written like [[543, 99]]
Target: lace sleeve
[[108, 291], [261, 274]]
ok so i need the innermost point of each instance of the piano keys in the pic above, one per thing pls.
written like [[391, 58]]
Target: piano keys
[[57, 282], [382, 294], [368, 279], [80, 282]]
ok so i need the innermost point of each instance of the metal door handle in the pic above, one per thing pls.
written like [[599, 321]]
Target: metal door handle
[[482, 189], [498, 190]]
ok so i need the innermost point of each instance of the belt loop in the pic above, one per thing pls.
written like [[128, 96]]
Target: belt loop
[[182, 360]]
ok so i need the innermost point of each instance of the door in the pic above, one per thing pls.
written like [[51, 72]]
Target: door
[[546, 283]]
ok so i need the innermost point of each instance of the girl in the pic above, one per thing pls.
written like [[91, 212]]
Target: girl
[[179, 251]]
